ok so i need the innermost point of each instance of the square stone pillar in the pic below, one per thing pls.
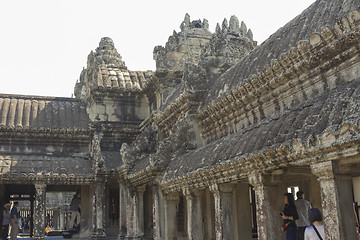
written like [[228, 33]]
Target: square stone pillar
[[243, 213], [209, 214], [171, 201], [62, 218], [122, 208], [139, 212], [130, 214], [40, 209], [224, 219], [194, 214], [99, 231], [86, 227], [336, 198], [158, 213], [267, 213], [56, 218]]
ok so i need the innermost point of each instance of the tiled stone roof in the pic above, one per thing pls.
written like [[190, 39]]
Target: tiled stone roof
[[113, 77], [42, 112], [106, 70], [326, 111], [320, 13]]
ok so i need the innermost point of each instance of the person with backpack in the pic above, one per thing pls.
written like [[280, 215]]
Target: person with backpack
[[316, 230]]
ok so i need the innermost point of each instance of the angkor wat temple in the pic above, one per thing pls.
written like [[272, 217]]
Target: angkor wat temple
[[205, 146]]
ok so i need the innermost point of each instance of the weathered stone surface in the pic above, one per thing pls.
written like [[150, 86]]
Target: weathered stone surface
[[311, 117], [24, 112], [40, 200], [221, 126], [105, 69], [182, 47]]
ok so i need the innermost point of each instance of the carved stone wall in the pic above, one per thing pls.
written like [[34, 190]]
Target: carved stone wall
[[218, 118]]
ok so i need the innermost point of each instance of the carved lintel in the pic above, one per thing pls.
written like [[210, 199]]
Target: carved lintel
[[257, 179], [324, 169], [172, 197], [141, 189], [221, 188], [40, 186], [327, 171], [190, 193]]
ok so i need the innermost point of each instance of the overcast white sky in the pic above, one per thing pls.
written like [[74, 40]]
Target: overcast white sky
[[45, 43]]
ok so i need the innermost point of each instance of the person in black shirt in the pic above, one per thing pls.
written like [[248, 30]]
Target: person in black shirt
[[290, 215]]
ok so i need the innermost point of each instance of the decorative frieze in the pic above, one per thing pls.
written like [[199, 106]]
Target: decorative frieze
[[318, 50], [272, 158]]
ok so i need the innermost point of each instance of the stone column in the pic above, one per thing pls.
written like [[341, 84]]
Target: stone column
[[56, 218], [243, 220], [87, 210], [40, 209], [224, 221], [62, 217], [122, 209], [99, 231], [139, 212], [267, 214], [194, 214], [130, 213], [171, 201], [336, 198], [158, 213]]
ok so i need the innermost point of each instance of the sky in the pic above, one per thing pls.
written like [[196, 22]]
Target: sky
[[44, 44]]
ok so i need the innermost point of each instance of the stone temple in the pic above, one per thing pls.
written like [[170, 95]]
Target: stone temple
[[205, 146]]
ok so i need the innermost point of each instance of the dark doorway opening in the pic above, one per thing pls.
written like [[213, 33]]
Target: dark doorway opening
[[23, 194]]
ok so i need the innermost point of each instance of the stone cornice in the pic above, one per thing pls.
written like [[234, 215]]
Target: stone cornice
[[56, 135], [320, 53], [177, 109], [98, 93], [118, 127], [327, 146], [154, 84], [53, 178], [145, 176]]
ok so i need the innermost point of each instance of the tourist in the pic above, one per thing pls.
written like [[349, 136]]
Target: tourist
[[5, 221], [316, 230], [74, 210], [290, 215], [14, 218], [302, 206]]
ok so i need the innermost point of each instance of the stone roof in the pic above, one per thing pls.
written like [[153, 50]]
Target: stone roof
[[106, 70], [113, 77], [320, 13], [42, 112], [311, 118]]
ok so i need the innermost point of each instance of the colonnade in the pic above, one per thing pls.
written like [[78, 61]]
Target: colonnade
[[219, 212]]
